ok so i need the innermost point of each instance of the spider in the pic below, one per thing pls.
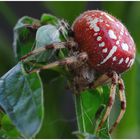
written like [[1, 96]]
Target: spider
[[100, 50]]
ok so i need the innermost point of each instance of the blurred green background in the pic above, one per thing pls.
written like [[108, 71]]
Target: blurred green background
[[127, 12]]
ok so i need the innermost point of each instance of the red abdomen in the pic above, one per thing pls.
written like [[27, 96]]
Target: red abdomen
[[106, 40]]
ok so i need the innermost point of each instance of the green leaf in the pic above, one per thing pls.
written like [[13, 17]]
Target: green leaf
[[24, 38], [89, 113], [48, 19], [8, 130], [47, 35], [21, 97], [59, 24]]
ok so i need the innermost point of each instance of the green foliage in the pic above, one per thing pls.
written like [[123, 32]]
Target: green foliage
[[54, 80], [48, 19], [21, 98], [90, 106], [23, 37], [8, 130]]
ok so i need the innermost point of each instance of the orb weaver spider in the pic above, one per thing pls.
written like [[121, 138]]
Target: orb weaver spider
[[100, 49]]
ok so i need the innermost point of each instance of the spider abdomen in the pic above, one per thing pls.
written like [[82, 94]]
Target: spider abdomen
[[106, 40]]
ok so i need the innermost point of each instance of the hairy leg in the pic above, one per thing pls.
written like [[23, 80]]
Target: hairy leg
[[82, 57], [123, 103], [100, 81], [111, 99], [59, 45]]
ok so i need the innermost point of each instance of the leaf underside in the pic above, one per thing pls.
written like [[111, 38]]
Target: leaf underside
[[21, 98]]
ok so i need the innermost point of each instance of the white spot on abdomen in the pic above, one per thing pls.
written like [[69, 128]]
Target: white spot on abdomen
[[131, 62], [122, 32], [112, 51], [126, 33], [126, 60], [112, 34], [125, 47], [121, 60], [104, 50], [107, 25], [117, 42], [99, 38], [93, 24], [114, 58], [102, 44], [95, 34]]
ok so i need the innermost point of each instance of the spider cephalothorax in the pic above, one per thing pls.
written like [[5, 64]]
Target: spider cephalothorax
[[100, 49]]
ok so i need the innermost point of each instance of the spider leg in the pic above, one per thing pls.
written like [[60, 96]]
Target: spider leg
[[32, 27], [105, 78], [82, 57], [60, 45], [41, 49], [123, 103], [111, 99]]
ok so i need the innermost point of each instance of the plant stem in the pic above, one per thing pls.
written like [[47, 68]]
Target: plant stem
[[79, 113]]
